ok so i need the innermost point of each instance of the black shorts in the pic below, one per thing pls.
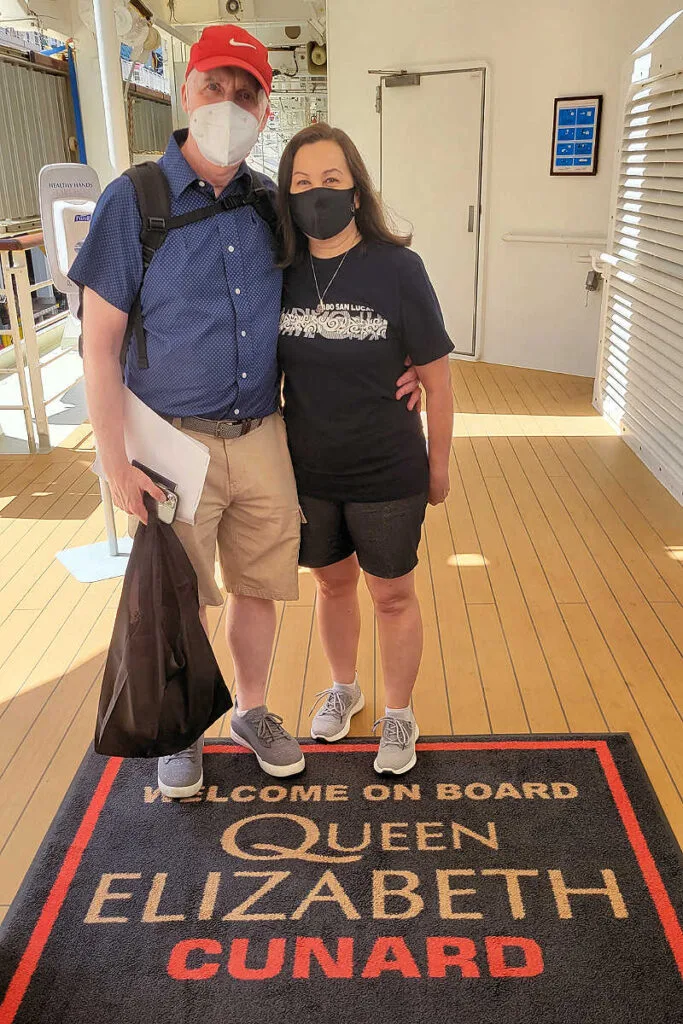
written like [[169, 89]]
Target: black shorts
[[384, 534]]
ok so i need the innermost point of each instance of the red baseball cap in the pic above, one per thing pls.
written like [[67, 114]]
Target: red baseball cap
[[229, 46]]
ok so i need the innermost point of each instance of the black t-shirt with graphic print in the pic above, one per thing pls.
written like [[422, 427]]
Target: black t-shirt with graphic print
[[349, 438]]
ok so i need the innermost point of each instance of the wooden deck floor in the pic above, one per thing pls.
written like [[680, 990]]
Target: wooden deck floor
[[551, 587]]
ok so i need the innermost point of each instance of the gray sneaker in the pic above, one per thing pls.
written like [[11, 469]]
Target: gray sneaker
[[397, 745], [333, 721], [181, 775], [276, 751]]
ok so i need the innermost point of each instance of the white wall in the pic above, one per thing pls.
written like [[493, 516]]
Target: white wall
[[535, 312]]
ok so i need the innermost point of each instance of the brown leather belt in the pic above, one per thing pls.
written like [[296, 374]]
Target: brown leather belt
[[225, 429]]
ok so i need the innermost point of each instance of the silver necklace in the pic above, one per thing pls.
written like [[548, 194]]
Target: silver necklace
[[321, 298]]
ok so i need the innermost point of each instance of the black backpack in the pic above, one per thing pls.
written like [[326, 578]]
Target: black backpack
[[154, 202]]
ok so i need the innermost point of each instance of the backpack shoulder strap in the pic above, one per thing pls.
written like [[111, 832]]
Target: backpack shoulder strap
[[154, 202], [263, 201]]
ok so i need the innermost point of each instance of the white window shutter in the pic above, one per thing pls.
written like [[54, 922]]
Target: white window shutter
[[639, 385]]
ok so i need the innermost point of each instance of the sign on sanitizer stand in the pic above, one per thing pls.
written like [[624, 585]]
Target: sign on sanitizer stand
[[68, 193]]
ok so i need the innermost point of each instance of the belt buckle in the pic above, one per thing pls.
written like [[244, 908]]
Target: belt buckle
[[226, 429]]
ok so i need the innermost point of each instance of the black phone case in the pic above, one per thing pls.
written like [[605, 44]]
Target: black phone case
[[157, 478]]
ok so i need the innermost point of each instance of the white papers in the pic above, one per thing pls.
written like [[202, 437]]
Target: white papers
[[149, 439]]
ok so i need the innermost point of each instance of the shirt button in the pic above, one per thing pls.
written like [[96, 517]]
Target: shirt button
[[237, 412], [244, 376], [244, 334], [238, 291], [202, 184], [231, 248]]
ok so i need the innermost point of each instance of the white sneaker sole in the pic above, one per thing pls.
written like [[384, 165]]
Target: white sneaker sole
[[280, 771], [358, 706], [398, 771], [181, 792]]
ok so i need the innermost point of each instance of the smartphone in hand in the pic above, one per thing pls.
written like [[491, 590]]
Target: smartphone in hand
[[166, 510]]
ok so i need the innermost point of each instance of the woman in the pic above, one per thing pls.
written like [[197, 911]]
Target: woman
[[356, 303]]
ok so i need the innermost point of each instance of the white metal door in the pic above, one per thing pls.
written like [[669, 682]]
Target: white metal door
[[431, 164]]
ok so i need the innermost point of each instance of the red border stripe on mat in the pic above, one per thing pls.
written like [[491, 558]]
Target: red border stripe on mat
[[53, 904], [371, 748], [646, 862]]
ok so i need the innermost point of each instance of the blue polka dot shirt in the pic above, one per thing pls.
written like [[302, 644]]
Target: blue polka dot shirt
[[210, 300]]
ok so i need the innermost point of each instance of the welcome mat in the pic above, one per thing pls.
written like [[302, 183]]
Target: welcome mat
[[502, 880]]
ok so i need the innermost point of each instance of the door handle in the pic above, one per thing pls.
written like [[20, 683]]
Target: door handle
[[470, 221]]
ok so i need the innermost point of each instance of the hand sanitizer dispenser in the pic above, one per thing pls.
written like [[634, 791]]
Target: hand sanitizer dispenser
[[68, 193], [72, 223]]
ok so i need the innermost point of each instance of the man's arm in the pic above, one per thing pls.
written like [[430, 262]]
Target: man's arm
[[409, 384], [104, 327], [436, 380]]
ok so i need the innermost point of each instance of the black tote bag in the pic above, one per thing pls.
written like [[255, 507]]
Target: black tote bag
[[162, 687]]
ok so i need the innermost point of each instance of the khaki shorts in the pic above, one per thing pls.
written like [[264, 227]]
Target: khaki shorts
[[249, 514]]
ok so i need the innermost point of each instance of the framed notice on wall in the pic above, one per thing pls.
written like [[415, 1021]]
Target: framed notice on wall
[[576, 135]]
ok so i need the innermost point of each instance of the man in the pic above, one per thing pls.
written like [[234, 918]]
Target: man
[[211, 308]]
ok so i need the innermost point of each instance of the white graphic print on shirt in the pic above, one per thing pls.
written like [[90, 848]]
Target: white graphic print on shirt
[[337, 322]]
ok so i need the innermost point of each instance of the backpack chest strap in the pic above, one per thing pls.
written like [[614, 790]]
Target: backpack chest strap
[[156, 227]]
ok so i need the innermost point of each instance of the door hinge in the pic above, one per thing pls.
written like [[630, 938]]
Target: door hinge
[[378, 99]]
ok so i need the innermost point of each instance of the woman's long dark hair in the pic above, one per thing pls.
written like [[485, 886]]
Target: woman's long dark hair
[[371, 216]]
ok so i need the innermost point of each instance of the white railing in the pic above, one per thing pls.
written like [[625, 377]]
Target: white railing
[[141, 75], [591, 240], [18, 296]]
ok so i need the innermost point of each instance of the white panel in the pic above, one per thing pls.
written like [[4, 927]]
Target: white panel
[[640, 379]]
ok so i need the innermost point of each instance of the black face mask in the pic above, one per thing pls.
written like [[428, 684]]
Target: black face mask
[[323, 212]]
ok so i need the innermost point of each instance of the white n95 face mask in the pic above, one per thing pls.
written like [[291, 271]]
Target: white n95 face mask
[[225, 133]]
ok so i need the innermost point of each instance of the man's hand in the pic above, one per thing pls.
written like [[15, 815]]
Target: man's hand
[[439, 487], [409, 384], [128, 487]]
